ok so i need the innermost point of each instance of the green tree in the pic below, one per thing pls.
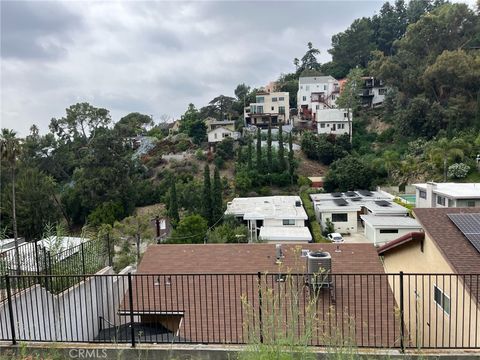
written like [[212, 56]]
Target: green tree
[[81, 122], [249, 153], [217, 196], [349, 173], [281, 150], [349, 99], [106, 213], [137, 228], [228, 233], [35, 202], [259, 161], [133, 124], [207, 196], [173, 204], [190, 230], [9, 150], [309, 60], [291, 159], [445, 151], [269, 150]]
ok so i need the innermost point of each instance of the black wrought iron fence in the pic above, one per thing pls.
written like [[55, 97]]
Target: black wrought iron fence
[[360, 310]]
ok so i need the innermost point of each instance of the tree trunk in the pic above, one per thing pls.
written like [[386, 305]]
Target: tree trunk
[[14, 219]]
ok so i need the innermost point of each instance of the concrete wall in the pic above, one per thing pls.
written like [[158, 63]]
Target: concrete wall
[[72, 315], [373, 234], [434, 326]]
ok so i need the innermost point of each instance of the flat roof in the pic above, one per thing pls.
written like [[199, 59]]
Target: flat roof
[[403, 222], [455, 190], [315, 79], [285, 233], [267, 207], [376, 202]]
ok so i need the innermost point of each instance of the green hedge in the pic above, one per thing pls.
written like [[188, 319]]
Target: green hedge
[[313, 224]]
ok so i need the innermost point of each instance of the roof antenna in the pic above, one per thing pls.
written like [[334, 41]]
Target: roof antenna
[[337, 250]]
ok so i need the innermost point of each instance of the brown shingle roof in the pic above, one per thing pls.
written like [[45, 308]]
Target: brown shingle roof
[[455, 247], [212, 307], [407, 238]]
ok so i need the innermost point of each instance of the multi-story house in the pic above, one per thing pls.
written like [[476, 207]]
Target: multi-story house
[[373, 92], [433, 194], [316, 93], [269, 109]]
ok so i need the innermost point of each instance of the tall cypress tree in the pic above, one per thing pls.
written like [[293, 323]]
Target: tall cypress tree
[[259, 152], [217, 201], [291, 162], [207, 195], [249, 153], [269, 149], [281, 151], [173, 205]]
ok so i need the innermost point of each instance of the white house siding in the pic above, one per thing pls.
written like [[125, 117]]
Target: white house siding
[[316, 84], [72, 315], [279, 222], [374, 235], [220, 134], [349, 226], [332, 121]]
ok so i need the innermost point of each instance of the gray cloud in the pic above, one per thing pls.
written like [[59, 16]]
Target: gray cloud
[[152, 57]]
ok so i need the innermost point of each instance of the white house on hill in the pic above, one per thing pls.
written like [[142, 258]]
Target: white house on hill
[[333, 121], [272, 218], [433, 194]]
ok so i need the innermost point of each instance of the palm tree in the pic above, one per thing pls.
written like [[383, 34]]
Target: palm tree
[[10, 148], [445, 150]]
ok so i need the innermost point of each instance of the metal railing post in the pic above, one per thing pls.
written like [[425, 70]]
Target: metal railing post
[[109, 249], [402, 314], [10, 309], [82, 249], [37, 264], [260, 314], [130, 299]]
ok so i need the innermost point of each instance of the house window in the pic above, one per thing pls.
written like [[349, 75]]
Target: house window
[[388, 231], [422, 194], [281, 98], [317, 107], [322, 125], [260, 109], [281, 109], [451, 203], [226, 135], [441, 299], [471, 203], [301, 87], [324, 87], [304, 98], [382, 91], [260, 99], [345, 115], [440, 200], [333, 97], [288, 222], [307, 87], [328, 125], [274, 99], [273, 108], [339, 217]]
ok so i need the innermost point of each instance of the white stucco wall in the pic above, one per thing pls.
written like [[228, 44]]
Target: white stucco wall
[[279, 222], [373, 234], [350, 226]]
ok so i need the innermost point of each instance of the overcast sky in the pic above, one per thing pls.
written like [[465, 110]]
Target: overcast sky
[[152, 57]]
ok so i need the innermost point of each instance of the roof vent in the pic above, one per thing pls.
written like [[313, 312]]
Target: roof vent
[[298, 203], [319, 267]]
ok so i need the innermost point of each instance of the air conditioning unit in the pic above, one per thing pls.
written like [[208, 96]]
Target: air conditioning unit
[[319, 268]]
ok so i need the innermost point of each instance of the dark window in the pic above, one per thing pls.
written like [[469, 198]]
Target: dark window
[[281, 109], [388, 231], [441, 299], [288, 222], [281, 98], [471, 203], [339, 217], [422, 194], [440, 200], [274, 99]]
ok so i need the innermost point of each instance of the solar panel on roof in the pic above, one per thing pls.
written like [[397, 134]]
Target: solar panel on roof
[[358, 198], [340, 202], [365, 192], [469, 225], [351, 193], [337, 194], [383, 203]]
